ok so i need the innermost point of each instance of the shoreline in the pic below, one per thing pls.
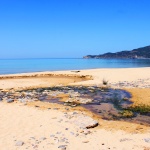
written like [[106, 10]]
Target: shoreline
[[120, 78], [70, 70]]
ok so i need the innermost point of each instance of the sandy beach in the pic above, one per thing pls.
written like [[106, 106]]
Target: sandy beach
[[40, 125]]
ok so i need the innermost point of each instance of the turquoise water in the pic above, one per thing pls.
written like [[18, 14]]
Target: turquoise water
[[11, 66]]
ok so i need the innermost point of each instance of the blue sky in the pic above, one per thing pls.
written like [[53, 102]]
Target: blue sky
[[72, 28]]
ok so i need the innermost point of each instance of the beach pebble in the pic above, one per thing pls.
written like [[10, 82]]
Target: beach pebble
[[62, 140], [62, 147], [67, 108], [86, 132], [71, 133], [19, 143], [43, 138], [147, 140], [85, 141], [10, 100], [125, 139], [52, 135], [35, 146], [58, 132], [74, 113]]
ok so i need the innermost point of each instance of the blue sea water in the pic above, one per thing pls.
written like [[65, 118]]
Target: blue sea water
[[11, 66]]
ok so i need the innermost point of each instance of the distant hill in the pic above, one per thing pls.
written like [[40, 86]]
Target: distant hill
[[143, 52]]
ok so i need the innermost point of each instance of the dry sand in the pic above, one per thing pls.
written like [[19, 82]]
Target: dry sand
[[32, 126], [36, 127]]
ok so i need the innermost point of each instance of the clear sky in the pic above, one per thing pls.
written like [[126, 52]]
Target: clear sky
[[72, 28]]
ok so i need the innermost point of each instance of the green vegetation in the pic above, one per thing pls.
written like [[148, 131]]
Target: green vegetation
[[143, 52], [127, 114], [142, 109]]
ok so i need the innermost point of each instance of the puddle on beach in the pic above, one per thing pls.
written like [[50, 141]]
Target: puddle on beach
[[110, 104]]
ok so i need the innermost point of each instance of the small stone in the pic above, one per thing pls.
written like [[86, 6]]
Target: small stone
[[35, 146], [67, 108], [62, 147], [62, 140], [147, 140], [71, 133], [125, 139], [43, 138], [86, 132], [58, 132], [85, 142], [19, 143], [74, 113], [10, 100]]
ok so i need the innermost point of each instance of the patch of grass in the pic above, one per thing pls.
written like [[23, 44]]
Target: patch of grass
[[127, 114], [142, 109]]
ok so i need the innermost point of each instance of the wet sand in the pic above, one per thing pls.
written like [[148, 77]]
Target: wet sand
[[28, 81]]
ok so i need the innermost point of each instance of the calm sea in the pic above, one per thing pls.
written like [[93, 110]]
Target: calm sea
[[11, 66]]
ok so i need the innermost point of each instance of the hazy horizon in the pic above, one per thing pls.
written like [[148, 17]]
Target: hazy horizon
[[72, 29]]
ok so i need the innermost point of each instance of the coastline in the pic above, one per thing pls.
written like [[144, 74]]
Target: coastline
[[42, 120], [114, 76]]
